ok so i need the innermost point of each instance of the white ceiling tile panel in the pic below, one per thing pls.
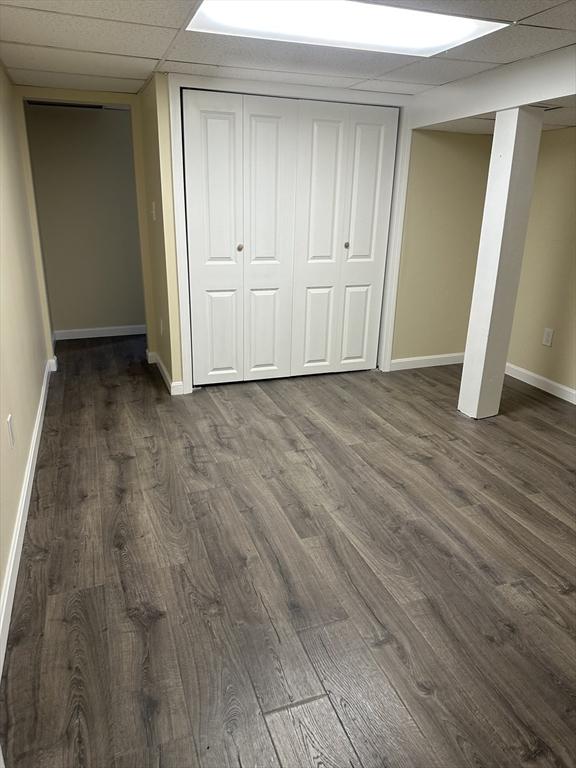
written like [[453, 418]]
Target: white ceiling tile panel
[[511, 44], [389, 86], [503, 10], [226, 50], [79, 82], [298, 78], [17, 56], [437, 71], [561, 17], [160, 13], [561, 116], [21, 25]]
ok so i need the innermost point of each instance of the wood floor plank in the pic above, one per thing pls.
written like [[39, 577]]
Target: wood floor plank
[[309, 601], [276, 661], [148, 705], [176, 754], [20, 688], [227, 724], [446, 713], [76, 663], [310, 735], [378, 724]]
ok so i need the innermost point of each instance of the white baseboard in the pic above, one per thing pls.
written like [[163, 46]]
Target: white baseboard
[[96, 333], [174, 387], [540, 382], [11, 574], [404, 363]]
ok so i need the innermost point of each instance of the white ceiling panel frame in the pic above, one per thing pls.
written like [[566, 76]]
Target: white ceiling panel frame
[[75, 82], [389, 86], [157, 13], [560, 17], [22, 56], [494, 10], [512, 44], [438, 71], [21, 25], [277, 76], [239, 52]]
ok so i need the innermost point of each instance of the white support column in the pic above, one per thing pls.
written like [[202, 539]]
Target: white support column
[[506, 210]]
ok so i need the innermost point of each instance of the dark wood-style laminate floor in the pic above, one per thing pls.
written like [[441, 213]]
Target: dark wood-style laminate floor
[[333, 571]]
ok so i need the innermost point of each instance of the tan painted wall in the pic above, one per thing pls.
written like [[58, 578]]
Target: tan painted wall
[[446, 188], [24, 326], [547, 292], [155, 119], [83, 173]]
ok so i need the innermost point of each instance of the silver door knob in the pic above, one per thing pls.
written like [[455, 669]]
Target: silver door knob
[[239, 247], [346, 245]]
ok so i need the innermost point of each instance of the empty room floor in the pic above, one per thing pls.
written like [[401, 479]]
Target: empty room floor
[[330, 571]]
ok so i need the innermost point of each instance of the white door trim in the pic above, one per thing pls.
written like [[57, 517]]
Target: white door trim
[[175, 85]]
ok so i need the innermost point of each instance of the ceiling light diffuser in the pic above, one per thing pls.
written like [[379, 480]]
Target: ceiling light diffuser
[[341, 24]]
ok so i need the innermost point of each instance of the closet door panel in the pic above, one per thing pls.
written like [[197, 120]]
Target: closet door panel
[[371, 152], [319, 236], [270, 145], [213, 171]]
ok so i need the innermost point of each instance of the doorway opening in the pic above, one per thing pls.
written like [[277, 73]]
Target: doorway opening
[[83, 170]]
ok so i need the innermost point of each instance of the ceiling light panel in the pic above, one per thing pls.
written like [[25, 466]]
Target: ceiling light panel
[[340, 24]]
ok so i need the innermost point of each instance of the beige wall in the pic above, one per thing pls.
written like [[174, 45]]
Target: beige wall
[[547, 292], [24, 327], [83, 172], [154, 109], [447, 182], [446, 187], [164, 336], [159, 329]]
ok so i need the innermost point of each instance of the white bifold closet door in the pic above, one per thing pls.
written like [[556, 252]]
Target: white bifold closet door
[[346, 168], [240, 166], [287, 207]]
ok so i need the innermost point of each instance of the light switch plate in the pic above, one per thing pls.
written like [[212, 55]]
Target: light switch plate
[[548, 336]]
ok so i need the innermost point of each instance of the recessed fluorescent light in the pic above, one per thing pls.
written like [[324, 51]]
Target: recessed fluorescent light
[[341, 24]]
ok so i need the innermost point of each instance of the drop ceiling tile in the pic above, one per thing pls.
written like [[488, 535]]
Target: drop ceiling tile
[[436, 71], [17, 56], [298, 78], [227, 50], [511, 44], [390, 86], [167, 13], [503, 10], [21, 25], [560, 17], [80, 82], [562, 116]]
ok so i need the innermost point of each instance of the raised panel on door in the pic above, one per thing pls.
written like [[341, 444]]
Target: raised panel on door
[[371, 152], [322, 147], [270, 147], [213, 177]]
